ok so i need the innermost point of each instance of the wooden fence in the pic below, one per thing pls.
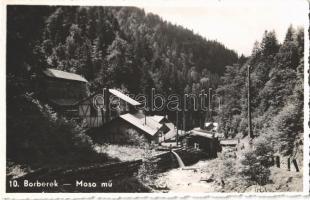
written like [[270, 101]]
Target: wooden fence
[[276, 160], [68, 177]]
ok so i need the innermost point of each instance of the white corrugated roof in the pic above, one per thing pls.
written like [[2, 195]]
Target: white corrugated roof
[[158, 118], [229, 142], [139, 123], [151, 122], [54, 73], [202, 134], [124, 97]]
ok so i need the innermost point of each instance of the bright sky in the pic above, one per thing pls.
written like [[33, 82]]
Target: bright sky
[[237, 24]]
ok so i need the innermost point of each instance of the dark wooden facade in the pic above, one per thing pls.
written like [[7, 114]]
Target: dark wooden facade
[[206, 142], [62, 92], [207, 145]]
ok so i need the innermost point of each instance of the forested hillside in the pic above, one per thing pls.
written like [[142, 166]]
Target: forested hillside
[[276, 91], [120, 47], [124, 47]]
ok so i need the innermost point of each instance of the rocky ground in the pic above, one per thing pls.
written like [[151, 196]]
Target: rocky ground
[[184, 180], [205, 176]]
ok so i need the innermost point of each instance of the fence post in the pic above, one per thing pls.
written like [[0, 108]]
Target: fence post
[[289, 164], [278, 161], [296, 165]]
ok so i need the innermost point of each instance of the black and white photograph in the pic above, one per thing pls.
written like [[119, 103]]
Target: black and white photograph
[[120, 97]]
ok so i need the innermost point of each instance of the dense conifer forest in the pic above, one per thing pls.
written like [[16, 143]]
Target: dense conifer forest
[[276, 91], [115, 47]]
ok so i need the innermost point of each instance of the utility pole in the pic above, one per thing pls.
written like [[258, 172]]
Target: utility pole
[[184, 120], [210, 106], [177, 122], [106, 96], [249, 103], [145, 116]]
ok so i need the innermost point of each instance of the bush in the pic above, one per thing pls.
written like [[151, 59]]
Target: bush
[[264, 150], [134, 138], [288, 125], [148, 170], [255, 163], [252, 170], [38, 137], [228, 168]]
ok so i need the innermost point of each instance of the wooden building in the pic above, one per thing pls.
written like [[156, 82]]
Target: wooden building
[[203, 140], [171, 133], [111, 114], [101, 108], [129, 129], [62, 90]]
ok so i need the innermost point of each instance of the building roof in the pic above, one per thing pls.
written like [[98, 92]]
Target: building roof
[[117, 94], [139, 123], [124, 97], [211, 126], [229, 142], [54, 73], [151, 122], [158, 118], [199, 132]]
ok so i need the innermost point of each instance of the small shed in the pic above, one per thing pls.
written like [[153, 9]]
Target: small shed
[[203, 140]]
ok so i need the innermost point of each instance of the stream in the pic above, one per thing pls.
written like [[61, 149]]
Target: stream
[[180, 162]]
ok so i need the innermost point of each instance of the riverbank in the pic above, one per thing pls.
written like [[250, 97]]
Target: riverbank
[[160, 171], [194, 178], [212, 176]]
